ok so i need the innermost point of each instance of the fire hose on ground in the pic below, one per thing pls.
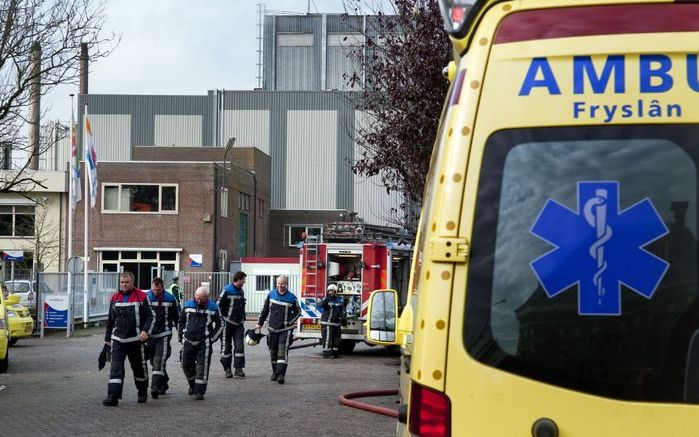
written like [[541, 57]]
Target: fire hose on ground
[[347, 400]]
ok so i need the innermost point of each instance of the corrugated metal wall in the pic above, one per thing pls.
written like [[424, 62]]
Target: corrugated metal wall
[[370, 198], [341, 64], [311, 176], [178, 130], [294, 61], [112, 136], [299, 53], [251, 128], [142, 110]]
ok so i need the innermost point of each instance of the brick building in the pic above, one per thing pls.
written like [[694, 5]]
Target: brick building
[[171, 206]]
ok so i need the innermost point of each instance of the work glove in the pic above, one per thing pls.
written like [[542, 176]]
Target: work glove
[[105, 355]]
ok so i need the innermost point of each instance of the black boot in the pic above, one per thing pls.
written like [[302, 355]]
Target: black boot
[[155, 393], [111, 401], [142, 397], [239, 373], [280, 379], [227, 367], [274, 377]]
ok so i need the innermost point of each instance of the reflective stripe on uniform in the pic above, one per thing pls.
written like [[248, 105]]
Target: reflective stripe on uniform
[[200, 381], [162, 334], [125, 340], [126, 304], [279, 302], [158, 372], [280, 330], [116, 381]]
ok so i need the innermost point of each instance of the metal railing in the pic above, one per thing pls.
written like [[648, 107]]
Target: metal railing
[[100, 287], [256, 287]]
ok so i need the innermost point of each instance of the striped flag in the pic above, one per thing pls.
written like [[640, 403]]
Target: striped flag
[[90, 159], [76, 193]]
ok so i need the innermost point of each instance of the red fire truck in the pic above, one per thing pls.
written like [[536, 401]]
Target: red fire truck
[[358, 258]]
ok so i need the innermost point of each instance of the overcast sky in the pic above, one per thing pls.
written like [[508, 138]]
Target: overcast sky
[[179, 47]]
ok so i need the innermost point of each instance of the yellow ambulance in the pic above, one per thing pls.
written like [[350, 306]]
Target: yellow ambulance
[[554, 287]]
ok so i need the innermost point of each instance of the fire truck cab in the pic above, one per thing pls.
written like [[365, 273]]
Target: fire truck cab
[[359, 259]]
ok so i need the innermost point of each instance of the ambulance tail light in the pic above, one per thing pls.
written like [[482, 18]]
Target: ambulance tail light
[[430, 412], [454, 13]]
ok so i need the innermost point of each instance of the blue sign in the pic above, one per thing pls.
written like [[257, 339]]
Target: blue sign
[[56, 311], [13, 255], [598, 248]]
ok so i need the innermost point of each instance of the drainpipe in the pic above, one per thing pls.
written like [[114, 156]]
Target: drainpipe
[[214, 260], [254, 220]]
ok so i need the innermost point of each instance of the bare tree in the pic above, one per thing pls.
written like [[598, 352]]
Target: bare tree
[[46, 237], [400, 71], [57, 27]]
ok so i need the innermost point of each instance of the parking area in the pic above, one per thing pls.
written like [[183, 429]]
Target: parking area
[[53, 388]]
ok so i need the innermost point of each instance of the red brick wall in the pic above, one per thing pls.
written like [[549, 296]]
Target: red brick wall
[[187, 229]]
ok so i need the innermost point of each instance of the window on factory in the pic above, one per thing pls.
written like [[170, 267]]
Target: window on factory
[[16, 221], [294, 61], [243, 201], [260, 208], [224, 202], [298, 233], [344, 60], [141, 198]]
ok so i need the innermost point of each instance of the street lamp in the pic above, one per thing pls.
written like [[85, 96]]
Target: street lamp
[[229, 147]]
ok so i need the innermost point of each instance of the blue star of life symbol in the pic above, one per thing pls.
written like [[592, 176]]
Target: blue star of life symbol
[[598, 248]]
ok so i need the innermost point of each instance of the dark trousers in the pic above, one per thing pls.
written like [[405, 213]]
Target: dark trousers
[[161, 353], [278, 343], [331, 339], [134, 351], [196, 359], [233, 338]]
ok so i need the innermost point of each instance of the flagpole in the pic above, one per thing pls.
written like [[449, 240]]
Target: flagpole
[[85, 235], [71, 206]]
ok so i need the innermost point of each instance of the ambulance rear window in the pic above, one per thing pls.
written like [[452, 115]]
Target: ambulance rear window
[[583, 268]]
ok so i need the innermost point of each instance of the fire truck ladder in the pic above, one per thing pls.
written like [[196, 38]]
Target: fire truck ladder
[[312, 253]]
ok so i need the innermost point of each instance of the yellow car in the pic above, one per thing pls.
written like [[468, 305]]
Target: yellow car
[[21, 323], [4, 337]]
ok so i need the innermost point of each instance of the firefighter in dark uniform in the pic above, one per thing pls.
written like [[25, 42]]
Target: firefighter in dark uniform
[[331, 321], [200, 327], [129, 325], [167, 314], [283, 309], [231, 302]]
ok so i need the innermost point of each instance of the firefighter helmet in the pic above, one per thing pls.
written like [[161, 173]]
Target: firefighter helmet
[[252, 337]]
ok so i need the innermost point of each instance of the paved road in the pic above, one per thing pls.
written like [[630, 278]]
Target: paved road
[[53, 388]]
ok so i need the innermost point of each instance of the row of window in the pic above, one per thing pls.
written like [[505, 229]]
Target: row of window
[[159, 198], [243, 203]]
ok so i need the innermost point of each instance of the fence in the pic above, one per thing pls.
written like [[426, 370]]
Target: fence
[[100, 287], [256, 286]]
